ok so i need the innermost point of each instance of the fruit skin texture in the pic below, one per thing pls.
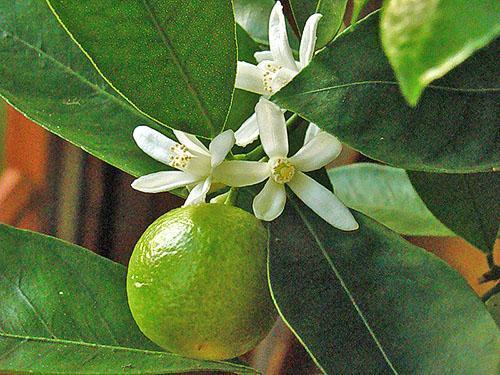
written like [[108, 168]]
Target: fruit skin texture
[[197, 283]]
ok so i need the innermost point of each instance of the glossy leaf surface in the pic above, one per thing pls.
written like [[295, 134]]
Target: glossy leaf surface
[[427, 38], [174, 61], [64, 310], [349, 89], [467, 203], [333, 14], [253, 17], [386, 195], [368, 302], [45, 76]]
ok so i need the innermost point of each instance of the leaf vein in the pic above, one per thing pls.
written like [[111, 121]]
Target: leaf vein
[[184, 73], [28, 303], [343, 284], [94, 86], [394, 83]]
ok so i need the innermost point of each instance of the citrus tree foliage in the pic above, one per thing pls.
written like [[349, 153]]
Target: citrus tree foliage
[[413, 87]]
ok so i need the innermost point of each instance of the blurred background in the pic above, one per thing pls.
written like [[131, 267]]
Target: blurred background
[[50, 186]]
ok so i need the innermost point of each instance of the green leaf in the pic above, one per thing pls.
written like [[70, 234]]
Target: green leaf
[[466, 203], [357, 7], [64, 310], [175, 62], [386, 195], [46, 77], [368, 302], [493, 306], [426, 39], [253, 17], [349, 90], [333, 14], [243, 101]]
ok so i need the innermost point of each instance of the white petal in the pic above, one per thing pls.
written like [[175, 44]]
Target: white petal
[[270, 202], [278, 39], [191, 142], [198, 193], [163, 181], [282, 78], [199, 165], [153, 143], [220, 147], [248, 131], [241, 173], [249, 78], [263, 55], [311, 132], [318, 152], [323, 202], [308, 42], [272, 128]]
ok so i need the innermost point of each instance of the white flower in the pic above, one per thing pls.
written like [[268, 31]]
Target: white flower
[[275, 68], [319, 150], [195, 162]]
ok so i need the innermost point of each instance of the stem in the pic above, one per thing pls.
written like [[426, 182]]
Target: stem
[[258, 152]]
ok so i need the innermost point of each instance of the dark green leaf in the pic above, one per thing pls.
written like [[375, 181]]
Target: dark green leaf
[[349, 90], [46, 77], [466, 203], [368, 302], [333, 14], [427, 38], [253, 17], [357, 7], [386, 195], [64, 310], [176, 62], [243, 101]]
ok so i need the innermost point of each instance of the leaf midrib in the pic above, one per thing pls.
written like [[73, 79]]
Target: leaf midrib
[[59, 341], [394, 83], [184, 73], [343, 284], [72, 72]]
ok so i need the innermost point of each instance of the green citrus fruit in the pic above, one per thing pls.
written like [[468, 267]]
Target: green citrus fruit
[[197, 282]]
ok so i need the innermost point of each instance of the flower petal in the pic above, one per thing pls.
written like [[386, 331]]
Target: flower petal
[[270, 202], [220, 147], [240, 173], [153, 143], [318, 152], [323, 202], [248, 131], [272, 128], [281, 79], [311, 132], [278, 39], [199, 165], [191, 142], [308, 41], [249, 78], [263, 55], [163, 181], [198, 193]]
